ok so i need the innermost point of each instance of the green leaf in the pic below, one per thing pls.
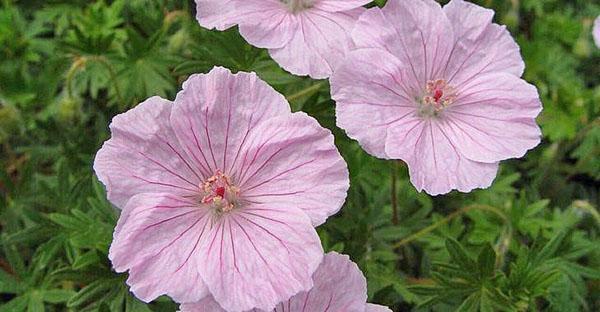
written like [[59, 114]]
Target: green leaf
[[56, 295], [92, 291], [486, 261]]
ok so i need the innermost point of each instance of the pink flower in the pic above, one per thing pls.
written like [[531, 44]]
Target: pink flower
[[439, 89], [220, 192], [339, 287], [306, 37], [596, 31]]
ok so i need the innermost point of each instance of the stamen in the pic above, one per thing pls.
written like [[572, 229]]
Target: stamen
[[219, 193], [438, 95], [296, 6]]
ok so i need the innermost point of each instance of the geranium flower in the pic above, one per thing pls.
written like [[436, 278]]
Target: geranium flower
[[220, 192], [339, 287], [306, 37], [596, 31], [439, 89]]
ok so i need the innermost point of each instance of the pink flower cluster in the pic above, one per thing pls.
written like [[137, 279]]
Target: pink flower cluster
[[438, 88], [221, 189]]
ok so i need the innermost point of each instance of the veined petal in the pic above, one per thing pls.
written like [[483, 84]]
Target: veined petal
[[340, 5], [259, 256], [143, 155], [370, 95], [154, 241], [319, 44], [292, 162], [215, 112], [339, 286], [269, 25], [493, 118], [435, 165], [216, 14], [417, 32], [481, 47]]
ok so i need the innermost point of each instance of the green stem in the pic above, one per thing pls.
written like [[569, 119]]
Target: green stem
[[394, 195], [304, 92], [447, 219]]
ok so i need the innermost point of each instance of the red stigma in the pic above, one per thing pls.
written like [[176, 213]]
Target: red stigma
[[438, 95], [220, 191]]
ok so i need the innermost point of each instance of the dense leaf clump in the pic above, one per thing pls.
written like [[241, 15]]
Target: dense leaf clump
[[528, 243]]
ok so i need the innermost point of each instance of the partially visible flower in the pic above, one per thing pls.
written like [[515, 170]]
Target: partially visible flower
[[339, 287], [596, 31], [439, 89], [306, 37], [220, 193]]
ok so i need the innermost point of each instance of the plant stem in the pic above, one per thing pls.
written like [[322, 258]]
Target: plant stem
[[447, 219], [313, 88], [394, 195]]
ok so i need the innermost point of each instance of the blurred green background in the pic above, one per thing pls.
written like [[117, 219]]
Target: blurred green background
[[529, 243]]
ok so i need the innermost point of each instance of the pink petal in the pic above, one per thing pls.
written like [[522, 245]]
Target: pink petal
[[154, 241], [435, 164], [216, 14], [370, 95], [292, 161], [266, 24], [482, 47], [259, 256], [376, 308], [143, 155], [493, 118], [319, 44], [416, 32], [207, 304], [215, 112], [339, 285], [340, 5]]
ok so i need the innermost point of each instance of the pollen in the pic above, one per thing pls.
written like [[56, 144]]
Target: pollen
[[438, 95], [219, 193]]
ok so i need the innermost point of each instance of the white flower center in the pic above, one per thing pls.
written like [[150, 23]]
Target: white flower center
[[438, 95], [296, 6], [219, 193]]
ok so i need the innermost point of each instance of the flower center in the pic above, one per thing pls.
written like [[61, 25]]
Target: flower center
[[296, 6], [438, 95], [219, 193]]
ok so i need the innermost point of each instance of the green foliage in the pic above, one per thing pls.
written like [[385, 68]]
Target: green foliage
[[528, 243]]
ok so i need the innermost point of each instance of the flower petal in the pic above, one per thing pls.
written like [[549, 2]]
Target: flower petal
[[320, 43], [340, 5], [493, 118], [216, 14], [258, 256], [435, 165], [482, 47], [207, 304], [293, 162], [339, 285], [267, 24], [376, 308], [215, 112], [370, 95], [154, 240], [143, 155], [416, 32]]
